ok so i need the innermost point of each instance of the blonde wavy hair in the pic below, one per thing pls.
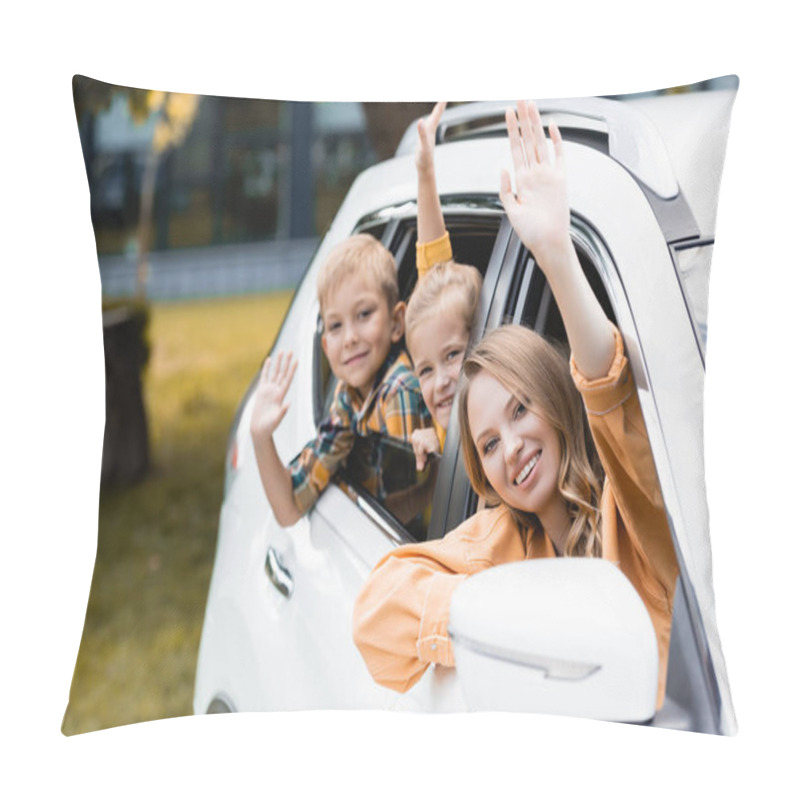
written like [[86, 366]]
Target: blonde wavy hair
[[448, 287], [538, 376]]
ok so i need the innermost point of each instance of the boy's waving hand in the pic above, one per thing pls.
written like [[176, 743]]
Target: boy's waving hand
[[270, 404]]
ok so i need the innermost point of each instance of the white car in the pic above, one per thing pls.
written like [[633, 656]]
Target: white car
[[643, 177]]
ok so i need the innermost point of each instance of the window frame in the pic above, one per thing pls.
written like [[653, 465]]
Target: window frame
[[700, 326], [397, 228], [517, 276]]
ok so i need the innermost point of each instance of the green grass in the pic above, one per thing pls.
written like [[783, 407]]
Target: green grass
[[156, 540]]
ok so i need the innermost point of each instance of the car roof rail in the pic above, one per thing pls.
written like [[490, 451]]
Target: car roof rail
[[632, 139]]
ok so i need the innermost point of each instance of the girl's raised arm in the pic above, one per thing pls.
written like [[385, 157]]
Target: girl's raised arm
[[539, 213], [430, 221]]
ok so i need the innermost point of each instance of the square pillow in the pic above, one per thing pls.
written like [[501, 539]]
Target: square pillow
[[212, 218]]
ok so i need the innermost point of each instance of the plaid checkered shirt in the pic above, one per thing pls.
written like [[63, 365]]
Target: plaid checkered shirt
[[394, 407]]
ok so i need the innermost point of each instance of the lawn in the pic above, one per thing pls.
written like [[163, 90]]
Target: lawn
[[156, 540]]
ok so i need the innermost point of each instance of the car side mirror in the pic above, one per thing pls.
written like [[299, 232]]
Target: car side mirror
[[566, 636]]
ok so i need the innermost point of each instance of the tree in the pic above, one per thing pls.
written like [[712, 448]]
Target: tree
[[175, 114], [126, 442]]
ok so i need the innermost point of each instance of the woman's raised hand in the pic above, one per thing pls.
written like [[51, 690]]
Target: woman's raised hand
[[539, 211], [270, 404]]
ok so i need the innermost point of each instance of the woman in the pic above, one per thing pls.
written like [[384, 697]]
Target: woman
[[531, 450]]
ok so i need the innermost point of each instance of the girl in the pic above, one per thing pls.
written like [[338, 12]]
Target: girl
[[529, 449], [442, 305], [438, 324]]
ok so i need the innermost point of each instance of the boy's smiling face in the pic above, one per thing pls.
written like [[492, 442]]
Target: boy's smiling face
[[359, 331]]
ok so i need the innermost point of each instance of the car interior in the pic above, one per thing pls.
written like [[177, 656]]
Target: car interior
[[379, 467]]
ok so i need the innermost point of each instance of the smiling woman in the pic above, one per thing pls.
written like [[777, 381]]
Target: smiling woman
[[527, 446], [520, 454], [550, 505], [526, 441]]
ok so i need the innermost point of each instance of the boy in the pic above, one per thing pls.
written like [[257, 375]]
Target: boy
[[363, 323]]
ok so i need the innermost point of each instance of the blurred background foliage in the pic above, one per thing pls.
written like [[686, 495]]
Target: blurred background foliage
[[156, 537], [206, 211], [245, 169]]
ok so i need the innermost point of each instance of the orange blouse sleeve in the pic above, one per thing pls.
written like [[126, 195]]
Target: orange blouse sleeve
[[617, 425], [636, 533], [401, 614]]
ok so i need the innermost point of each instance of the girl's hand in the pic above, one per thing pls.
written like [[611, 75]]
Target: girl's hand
[[424, 441], [270, 407], [426, 138], [539, 211]]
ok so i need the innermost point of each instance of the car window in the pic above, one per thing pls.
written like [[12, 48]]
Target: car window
[[381, 471], [530, 301], [472, 238], [525, 298], [384, 469]]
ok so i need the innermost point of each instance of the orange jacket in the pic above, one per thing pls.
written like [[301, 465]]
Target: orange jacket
[[401, 614]]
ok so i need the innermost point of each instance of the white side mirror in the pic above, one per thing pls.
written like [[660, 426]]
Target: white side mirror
[[556, 636]]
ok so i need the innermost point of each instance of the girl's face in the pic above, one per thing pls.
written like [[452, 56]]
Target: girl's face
[[520, 451], [437, 349]]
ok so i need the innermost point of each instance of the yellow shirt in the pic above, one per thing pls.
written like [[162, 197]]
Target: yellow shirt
[[401, 614], [435, 252]]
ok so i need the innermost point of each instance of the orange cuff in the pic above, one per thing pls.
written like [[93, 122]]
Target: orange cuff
[[604, 394], [433, 644]]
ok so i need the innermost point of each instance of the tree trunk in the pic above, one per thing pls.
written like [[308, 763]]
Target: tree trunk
[[145, 223], [126, 450]]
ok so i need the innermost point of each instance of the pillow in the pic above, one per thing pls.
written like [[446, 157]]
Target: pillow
[[212, 216]]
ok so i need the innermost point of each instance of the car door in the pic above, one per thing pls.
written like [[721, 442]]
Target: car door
[[640, 289]]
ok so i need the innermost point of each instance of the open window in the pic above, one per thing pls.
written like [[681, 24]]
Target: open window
[[530, 301], [473, 240], [380, 472], [522, 296]]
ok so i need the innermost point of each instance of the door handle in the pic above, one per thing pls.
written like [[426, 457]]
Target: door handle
[[280, 576]]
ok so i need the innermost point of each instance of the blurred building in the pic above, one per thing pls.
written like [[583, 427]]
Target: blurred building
[[249, 170], [241, 203]]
